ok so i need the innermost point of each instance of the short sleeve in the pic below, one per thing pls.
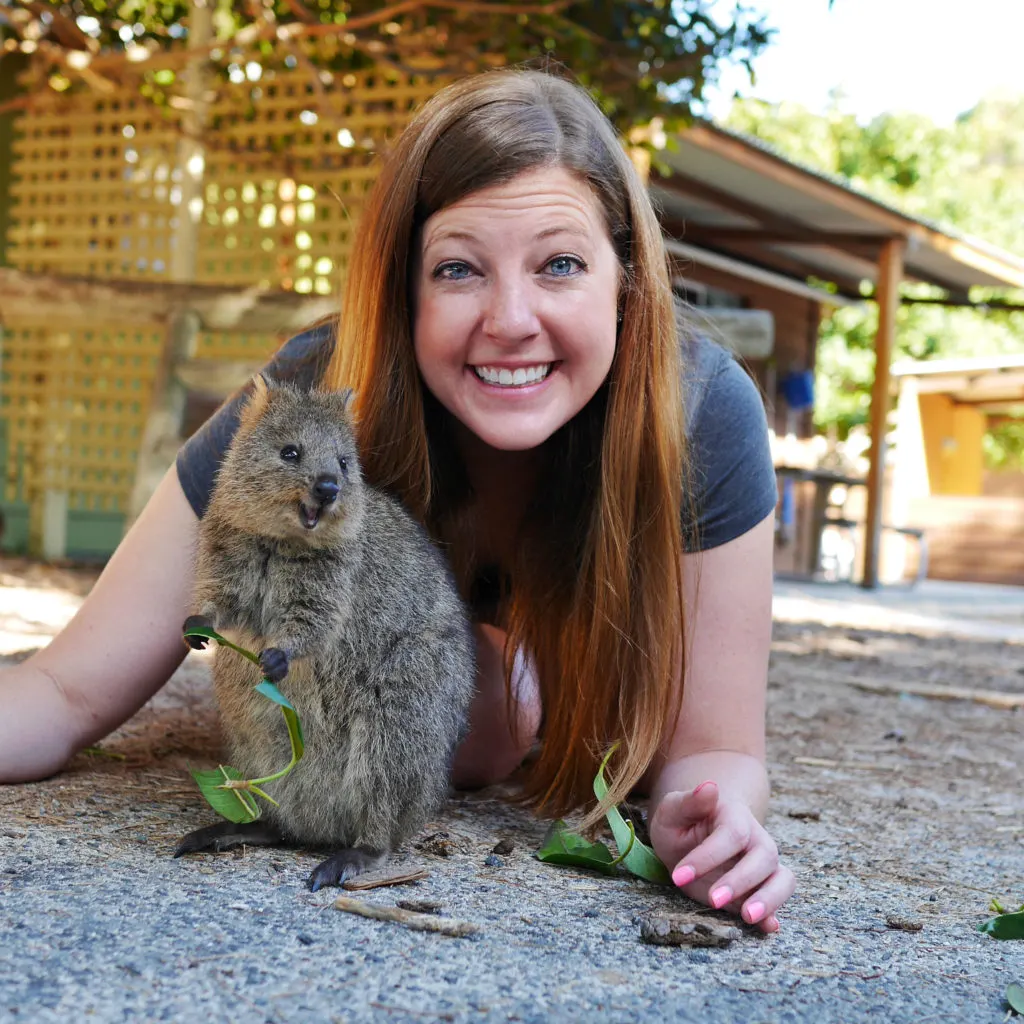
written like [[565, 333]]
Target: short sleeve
[[300, 361], [732, 483]]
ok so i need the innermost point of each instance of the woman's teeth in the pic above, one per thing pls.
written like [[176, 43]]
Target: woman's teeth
[[512, 378]]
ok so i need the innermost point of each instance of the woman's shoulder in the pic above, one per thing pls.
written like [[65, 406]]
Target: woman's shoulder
[[731, 480], [713, 381], [303, 359]]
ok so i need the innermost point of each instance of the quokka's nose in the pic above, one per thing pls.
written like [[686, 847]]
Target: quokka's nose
[[326, 489]]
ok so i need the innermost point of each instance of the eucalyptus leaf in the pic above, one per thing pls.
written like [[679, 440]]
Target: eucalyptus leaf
[[640, 859], [271, 692], [1005, 926], [561, 846], [234, 804], [212, 634], [1015, 998]]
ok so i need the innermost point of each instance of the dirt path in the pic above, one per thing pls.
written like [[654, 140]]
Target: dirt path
[[886, 805]]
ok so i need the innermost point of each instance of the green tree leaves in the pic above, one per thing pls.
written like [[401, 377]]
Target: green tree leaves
[[225, 789]]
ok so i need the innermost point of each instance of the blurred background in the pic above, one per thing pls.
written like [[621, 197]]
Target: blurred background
[[839, 186]]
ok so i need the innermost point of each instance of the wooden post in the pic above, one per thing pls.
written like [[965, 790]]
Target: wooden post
[[887, 292]]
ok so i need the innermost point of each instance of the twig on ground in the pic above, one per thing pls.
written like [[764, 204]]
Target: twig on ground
[[379, 879], [407, 918]]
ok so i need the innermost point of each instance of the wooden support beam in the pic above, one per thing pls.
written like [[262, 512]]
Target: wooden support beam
[[859, 243], [73, 300], [890, 274]]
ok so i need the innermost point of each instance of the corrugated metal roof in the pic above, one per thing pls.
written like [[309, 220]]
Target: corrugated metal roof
[[737, 196]]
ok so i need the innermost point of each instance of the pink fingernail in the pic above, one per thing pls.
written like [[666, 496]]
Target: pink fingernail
[[772, 924], [720, 896], [755, 911], [703, 785], [684, 875]]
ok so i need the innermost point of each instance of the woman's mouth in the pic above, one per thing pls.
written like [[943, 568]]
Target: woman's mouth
[[520, 377]]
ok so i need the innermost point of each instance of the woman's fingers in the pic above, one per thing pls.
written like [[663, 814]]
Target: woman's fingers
[[760, 906], [681, 810], [749, 873], [728, 840]]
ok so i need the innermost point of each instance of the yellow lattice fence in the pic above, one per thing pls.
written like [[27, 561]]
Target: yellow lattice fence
[[100, 189]]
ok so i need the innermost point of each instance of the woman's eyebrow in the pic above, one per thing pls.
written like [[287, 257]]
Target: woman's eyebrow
[[446, 234], [562, 229]]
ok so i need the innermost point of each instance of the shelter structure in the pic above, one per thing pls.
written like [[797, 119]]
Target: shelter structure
[[733, 207], [974, 520]]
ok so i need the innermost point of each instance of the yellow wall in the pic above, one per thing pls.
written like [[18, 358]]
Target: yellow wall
[[952, 440]]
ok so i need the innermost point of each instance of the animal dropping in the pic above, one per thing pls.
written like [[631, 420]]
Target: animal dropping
[[357, 619]]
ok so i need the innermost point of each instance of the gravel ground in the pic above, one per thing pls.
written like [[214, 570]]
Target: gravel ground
[[886, 806]]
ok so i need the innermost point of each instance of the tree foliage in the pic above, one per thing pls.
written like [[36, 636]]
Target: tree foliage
[[642, 58], [967, 178]]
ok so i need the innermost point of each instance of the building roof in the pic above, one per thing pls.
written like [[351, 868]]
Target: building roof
[[733, 196], [993, 384]]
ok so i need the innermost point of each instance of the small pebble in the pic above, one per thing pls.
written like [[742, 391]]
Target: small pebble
[[493, 862], [902, 924], [305, 940], [504, 847]]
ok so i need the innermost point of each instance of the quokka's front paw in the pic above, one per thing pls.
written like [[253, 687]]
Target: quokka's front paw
[[197, 643], [274, 663]]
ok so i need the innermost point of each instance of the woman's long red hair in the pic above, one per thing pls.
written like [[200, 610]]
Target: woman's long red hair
[[597, 590]]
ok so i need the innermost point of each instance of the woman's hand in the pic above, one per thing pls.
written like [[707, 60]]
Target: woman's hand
[[718, 853]]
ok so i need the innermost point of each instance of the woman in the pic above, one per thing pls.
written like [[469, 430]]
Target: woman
[[509, 329]]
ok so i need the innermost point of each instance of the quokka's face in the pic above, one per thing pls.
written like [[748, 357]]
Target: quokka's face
[[299, 464]]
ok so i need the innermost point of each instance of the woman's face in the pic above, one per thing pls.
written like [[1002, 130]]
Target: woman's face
[[516, 299]]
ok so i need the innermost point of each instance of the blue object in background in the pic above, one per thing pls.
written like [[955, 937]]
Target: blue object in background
[[798, 390]]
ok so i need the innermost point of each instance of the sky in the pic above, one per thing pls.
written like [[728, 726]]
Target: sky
[[932, 57]]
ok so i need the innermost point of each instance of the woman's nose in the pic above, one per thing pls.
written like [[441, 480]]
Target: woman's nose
[[510, 315]]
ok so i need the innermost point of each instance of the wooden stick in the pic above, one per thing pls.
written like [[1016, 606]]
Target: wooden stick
[[379, 879], [826, 762], [407, 918], [993, 698]]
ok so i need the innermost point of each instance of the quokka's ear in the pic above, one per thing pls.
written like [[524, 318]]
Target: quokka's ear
[[256, 405], [340, 402]]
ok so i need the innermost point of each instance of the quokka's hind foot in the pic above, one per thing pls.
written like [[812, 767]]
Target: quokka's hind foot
[[345, 864], [227, 834]]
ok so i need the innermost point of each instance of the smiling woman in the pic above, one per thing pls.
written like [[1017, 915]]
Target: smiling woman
[[523, 387]]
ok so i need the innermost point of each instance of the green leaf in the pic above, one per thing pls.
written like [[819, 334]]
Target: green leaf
[[640, 859], [1015, 998], [271, 692], [234, 804], [1005, 926], [212, 634], [560, 846]]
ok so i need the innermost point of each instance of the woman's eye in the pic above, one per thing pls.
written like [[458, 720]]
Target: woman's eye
[[566, 266], [454, 270], [290, 453]]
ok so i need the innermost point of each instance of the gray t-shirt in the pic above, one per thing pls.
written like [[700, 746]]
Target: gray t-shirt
[[733, 481]]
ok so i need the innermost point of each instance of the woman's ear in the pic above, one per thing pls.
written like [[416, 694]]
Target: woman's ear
[[253, 410]]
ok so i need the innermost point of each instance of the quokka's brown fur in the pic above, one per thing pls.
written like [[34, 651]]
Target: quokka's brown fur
[[360, 612]]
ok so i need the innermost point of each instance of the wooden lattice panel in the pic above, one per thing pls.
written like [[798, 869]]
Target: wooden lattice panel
[[93, 190], [98, 186], [75, 403]]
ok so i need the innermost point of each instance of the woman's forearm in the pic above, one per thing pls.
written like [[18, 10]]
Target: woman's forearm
[[42, 733], [739, 776]]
